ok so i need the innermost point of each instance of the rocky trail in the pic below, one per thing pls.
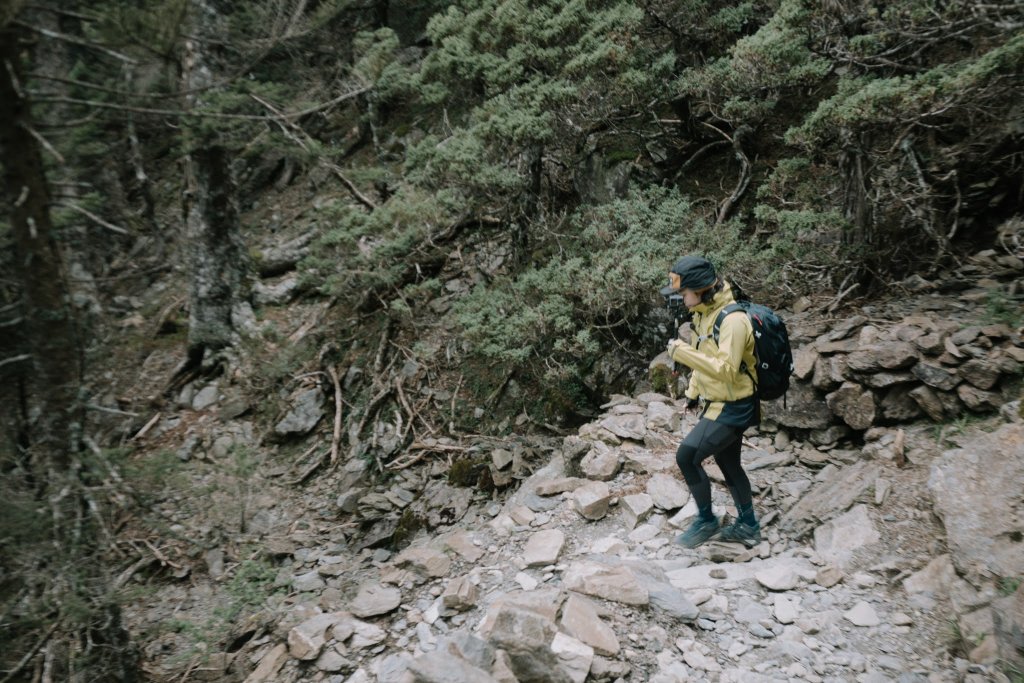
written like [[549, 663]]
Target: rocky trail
[[577, 578], [892, 546]]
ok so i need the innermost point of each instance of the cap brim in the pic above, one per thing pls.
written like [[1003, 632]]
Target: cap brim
[[669, 290]]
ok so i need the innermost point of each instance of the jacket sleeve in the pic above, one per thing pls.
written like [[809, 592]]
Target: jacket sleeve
[[723, 364]]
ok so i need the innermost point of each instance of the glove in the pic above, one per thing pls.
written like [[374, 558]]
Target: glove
[[692, 403]]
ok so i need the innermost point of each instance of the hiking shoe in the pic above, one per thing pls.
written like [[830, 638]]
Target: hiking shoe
[[700, 530], [740, 532]]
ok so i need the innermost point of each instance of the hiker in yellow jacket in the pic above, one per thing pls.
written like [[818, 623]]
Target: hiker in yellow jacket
[[722, 388]]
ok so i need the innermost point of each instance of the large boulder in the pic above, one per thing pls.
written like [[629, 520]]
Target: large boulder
[[803, 408], [975, 490]]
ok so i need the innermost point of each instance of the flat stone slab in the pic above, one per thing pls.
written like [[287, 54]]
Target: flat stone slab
[[699, 576]]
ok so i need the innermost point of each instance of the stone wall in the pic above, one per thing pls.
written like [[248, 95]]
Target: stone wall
[[861, 374]]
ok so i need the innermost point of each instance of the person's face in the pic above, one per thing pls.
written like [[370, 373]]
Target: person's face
[[690, 297]]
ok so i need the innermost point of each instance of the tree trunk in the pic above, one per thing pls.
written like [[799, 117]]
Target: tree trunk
[[856, 204], [59, 573], [52, 384], [217, 258]]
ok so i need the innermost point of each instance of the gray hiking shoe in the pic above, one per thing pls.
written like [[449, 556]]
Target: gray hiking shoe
[[738, 532], [700, 530]]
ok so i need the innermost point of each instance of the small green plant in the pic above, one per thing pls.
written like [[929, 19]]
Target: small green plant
[[1008, 585], [249, 588], [1001, 308]]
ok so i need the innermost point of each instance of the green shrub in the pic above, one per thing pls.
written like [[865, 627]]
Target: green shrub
[[555, 318]]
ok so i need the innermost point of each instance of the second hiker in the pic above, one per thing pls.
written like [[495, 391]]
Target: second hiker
[[722, 389]]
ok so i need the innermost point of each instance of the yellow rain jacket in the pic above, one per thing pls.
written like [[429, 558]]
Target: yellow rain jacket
[[717, 379]]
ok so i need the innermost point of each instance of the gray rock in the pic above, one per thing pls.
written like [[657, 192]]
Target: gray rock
[[373, 599], [1008, 627], [978, 399], [831, 497], [206, 397], [829, 372], [778, 578], [662, 416], [600, 463], [581, 620], [611, 583], [307, 639], [836, 540], [929, 402], [936, 376], [854, 404], [635, 508], [666, 491], [899, 405], [862, 614], [888, 356], [442, 667], [803, 409], [628, 426], [308, 582], [460, 594], [573, 655], [306, 411], [592, 500], [425, 561], [526, 637], [276, 294], [934, 580], [543, 548], [973, 487]]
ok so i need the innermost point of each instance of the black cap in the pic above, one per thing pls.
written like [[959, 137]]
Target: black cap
[[694, 273]]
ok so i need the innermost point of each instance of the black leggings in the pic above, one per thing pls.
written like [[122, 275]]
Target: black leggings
[[724, 442]]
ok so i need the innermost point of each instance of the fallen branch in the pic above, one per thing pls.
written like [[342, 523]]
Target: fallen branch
[[160, 556], [15, 359], [112, 411], [293, 131], [313, 467], [354, 433], [336, 437], [451, 412], [93, 217], [149, 425], [839, 297], [31, 653]]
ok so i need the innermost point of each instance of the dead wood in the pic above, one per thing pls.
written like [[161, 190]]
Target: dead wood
[[31, 652], [697, 156], [745, 174], [336, 437], [303, 139], [354, 432]]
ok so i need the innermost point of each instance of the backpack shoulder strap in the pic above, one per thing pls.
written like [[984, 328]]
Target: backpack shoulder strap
[[717, 327]]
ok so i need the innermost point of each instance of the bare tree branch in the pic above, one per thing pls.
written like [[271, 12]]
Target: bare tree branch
[[15, 359], [74, 40], [40, 97], [89, 214], [293, 131]]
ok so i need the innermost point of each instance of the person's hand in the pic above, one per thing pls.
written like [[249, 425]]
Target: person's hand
[[685, 332], [692, 406], [672, 344]]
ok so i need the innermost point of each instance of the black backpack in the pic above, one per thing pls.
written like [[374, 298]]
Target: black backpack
[[771, 348]]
